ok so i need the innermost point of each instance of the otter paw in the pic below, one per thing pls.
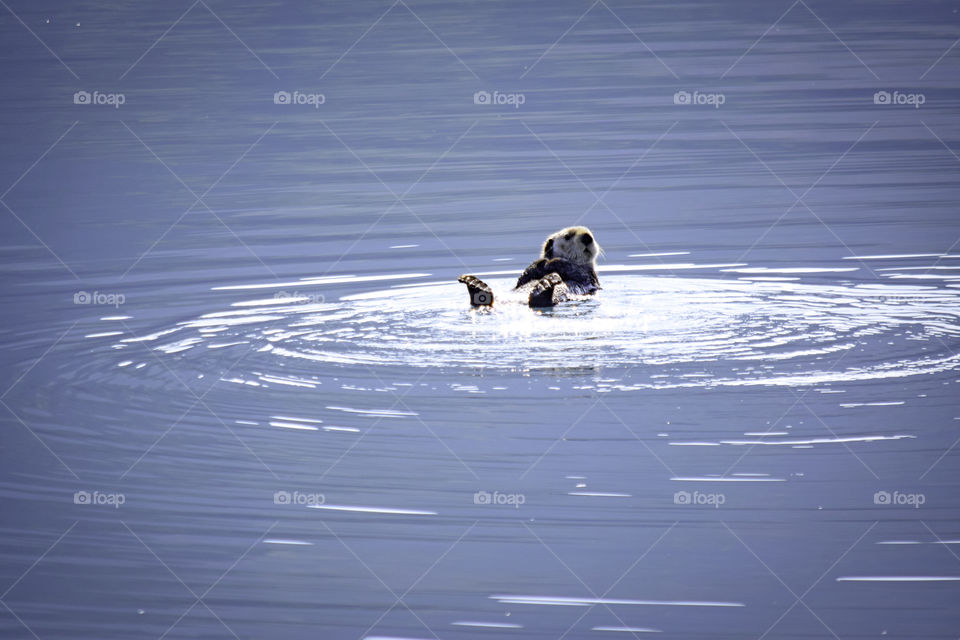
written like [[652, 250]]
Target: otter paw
[[548, 291], [481, 295]]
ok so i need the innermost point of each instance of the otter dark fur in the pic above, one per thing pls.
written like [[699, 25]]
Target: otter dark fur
[[567, 268]]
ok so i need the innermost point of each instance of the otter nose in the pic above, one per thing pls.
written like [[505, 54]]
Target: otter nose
[[587, 239]]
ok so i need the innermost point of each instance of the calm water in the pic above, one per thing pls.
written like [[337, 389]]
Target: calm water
[[244, 396]]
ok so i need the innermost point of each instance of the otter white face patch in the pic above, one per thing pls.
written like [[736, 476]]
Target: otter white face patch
[[572, 244]]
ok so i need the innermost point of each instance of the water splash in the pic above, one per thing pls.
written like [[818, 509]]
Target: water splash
[[658, 331]]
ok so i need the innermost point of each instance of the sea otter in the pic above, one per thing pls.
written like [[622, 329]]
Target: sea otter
[[567, 268]]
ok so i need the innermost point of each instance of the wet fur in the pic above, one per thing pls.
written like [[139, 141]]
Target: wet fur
[[566, 269]]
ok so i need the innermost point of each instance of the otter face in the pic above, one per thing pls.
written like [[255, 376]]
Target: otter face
[[575, 244]]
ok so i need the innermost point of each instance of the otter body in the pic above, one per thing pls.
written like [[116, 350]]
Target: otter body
[[566, 269]]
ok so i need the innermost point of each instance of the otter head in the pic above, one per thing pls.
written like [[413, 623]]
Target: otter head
[[575, 244]]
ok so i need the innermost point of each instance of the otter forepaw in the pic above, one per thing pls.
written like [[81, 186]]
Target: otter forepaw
[[481, 295], [548, 291]]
